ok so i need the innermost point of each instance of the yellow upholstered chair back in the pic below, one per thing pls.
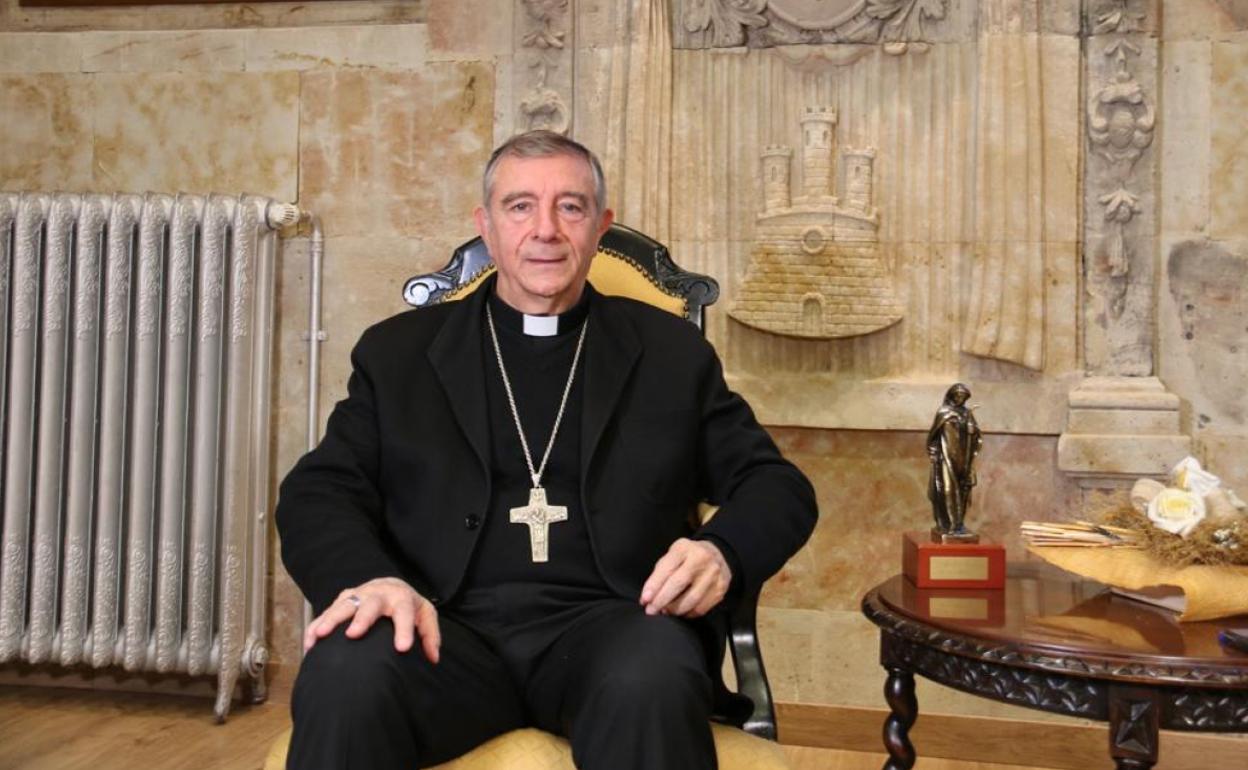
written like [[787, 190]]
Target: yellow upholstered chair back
[[628, 264]]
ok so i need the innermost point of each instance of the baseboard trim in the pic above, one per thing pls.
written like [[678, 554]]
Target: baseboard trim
[[996, 740], [279, 677]]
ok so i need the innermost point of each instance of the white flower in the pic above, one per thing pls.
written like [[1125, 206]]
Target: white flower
[[1190, 476], [1177, 511]]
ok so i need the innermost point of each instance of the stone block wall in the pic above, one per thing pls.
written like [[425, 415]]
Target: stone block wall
[[1202, 298]]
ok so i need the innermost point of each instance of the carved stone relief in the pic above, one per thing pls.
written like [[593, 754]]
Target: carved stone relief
[[544, 56], [1123, 17], [1116, 16], [897, 24], [695, 168], [816, 269], [1119, 188], [1005, 286], [1120, 128]]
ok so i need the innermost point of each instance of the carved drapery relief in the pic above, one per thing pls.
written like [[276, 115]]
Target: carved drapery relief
[[545, 56], [637, 150], [1005, 314], [764, 23], [816, 270]]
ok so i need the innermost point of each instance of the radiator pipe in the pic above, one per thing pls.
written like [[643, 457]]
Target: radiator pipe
[[316, 336]]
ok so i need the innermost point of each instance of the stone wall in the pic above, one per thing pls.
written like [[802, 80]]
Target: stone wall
[[378, 115], [1202, 249]]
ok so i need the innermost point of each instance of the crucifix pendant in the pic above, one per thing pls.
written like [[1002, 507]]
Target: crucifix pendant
[[539, 516]]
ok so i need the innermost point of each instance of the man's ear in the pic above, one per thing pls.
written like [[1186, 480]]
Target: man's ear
[[608, 216], [481, 218]]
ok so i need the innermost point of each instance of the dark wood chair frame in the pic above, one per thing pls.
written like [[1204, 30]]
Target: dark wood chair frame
[[470, 260]]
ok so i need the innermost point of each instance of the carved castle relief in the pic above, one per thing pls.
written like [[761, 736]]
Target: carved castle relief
[[815, 270]]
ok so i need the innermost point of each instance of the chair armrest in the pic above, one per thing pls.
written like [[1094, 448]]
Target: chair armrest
[[747, 659]]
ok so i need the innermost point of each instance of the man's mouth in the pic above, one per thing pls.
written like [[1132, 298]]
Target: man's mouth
[[545, 258]]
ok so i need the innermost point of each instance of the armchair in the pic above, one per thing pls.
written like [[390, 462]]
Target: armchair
[[628, 263]]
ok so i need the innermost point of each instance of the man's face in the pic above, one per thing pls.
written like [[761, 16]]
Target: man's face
[[542, 228]]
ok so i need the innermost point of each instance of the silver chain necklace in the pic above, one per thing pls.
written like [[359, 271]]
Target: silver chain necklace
[[538, 515]]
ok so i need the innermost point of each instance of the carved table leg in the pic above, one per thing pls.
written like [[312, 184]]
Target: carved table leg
[[1134, 718], [904, 709]]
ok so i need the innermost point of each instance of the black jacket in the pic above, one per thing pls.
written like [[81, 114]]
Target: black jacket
[[399, 484]]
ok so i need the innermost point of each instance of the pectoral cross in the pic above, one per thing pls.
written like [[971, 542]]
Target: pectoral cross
[[539, 516]]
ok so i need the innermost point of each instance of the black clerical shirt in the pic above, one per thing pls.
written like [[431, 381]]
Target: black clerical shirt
[[505, 592]]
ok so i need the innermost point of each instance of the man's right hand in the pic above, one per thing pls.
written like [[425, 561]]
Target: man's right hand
[[381, 597]]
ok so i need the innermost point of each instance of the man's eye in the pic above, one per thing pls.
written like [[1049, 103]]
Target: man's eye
[[572, 209]]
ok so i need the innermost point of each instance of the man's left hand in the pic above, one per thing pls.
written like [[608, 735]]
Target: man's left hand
[[690, 579]]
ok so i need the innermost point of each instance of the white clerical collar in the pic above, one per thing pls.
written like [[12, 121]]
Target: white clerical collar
[[541, 325], [551, 325]]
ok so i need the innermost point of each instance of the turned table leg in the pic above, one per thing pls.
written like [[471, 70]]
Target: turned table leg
[[1134, 717], [903, 711]]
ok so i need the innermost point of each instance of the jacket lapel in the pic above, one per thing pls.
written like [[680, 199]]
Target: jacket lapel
[[611, 351], [456, 356]]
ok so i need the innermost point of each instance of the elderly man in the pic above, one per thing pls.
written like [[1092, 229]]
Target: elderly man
[[509, 486]]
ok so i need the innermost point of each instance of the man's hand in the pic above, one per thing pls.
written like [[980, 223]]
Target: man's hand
[[690, 579], [382, 597]]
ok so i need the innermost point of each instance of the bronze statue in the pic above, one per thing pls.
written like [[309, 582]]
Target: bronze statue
[[952, 444]]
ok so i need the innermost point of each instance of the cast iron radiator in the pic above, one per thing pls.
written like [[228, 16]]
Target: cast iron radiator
[[135, 341]]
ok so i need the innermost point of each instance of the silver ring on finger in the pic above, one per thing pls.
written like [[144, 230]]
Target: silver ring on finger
[[355, 600]]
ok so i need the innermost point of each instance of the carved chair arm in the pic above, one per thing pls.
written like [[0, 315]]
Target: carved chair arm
[[747, 659]]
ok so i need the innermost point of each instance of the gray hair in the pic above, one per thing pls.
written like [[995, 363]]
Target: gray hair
[[544, 144]]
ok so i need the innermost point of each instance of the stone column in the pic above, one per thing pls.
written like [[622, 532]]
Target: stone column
[[1122, 422]]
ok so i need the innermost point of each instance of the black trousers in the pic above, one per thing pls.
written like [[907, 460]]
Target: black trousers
[[628, 691]]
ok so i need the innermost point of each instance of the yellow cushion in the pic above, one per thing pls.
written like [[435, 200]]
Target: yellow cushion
[[531, 749], [610, 273]]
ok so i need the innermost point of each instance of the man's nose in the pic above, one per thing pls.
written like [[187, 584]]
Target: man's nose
[[546, 228]]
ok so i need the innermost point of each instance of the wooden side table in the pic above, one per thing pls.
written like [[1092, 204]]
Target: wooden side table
[[1055, 642]]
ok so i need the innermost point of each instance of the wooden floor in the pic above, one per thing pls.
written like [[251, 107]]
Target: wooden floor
[[51, 729]]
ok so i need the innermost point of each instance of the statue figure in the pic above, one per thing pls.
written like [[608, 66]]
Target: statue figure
[[952, 444]]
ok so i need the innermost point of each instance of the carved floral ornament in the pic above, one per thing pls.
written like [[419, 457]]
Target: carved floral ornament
[[543, 14], [1120, 118], [1117, 16], [543, 106], [897, 24], [1120, 128]]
